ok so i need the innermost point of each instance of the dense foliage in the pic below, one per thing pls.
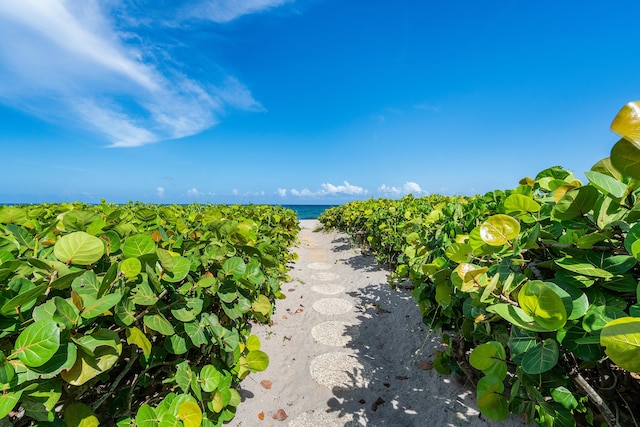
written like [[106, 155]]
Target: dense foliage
[[134, 313], [539, 284]]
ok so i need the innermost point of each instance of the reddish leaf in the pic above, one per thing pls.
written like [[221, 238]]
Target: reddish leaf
[[266, 384], [300, 310], [280, 415], [425, 365]]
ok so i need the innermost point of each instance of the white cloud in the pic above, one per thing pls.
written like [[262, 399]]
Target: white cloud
[[409, 187], [222, 11], [328, 189], [160, 192], [68, 62], [344, 189], [282, 192], [193, 193], [235, 192]]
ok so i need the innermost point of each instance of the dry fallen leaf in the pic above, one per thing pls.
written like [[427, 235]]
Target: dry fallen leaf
[[266, 384], [374, 406], [284, 317], [402, 377], [280, 415], [425, 365], [298, 311], [261, 416]]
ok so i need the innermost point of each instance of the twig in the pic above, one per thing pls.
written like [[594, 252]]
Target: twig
[[593, 395], [116, 382]]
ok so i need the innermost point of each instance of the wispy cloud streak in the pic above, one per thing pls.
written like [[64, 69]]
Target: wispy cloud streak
[[66, 61]]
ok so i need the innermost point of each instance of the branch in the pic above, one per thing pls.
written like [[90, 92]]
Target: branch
[[593, 395]]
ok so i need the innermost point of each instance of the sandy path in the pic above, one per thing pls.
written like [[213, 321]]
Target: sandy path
[[345, 350]]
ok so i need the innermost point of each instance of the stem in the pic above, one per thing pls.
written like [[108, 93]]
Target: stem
[[593, 395], [116, 382]]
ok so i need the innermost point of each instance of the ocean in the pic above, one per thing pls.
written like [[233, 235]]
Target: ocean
[[303, 211], [308, 211]]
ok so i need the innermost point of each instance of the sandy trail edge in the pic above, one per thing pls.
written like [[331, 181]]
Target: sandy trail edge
[[360, 368]]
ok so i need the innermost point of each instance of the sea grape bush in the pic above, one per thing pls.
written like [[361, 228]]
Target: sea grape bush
[[538, 283], [135, 314]]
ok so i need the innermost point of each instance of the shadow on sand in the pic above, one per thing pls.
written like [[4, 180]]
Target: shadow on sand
[[395, 386]]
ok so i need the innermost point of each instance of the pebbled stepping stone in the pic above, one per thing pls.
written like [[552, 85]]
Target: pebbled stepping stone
[[320, 266], [335, 332], [328, 289], [322, 418], [324, 276], [332, 306], [339, 370]]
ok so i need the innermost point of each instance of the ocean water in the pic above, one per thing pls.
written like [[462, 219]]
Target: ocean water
[[308, 211]]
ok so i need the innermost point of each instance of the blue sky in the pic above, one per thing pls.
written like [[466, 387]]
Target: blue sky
[[304, 101]]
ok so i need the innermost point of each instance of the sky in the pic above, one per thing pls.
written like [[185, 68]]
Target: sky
[[304, 101]]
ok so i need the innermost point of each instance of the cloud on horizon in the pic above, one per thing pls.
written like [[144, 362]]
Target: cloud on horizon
[[409, 187], [329, 189], [68, 62]]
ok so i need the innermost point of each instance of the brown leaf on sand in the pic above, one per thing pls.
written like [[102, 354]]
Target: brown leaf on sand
[[425, 365], [261, 416], [374, 406], [284, 316], [300, 310], [280, 415], [266, 384], [402, 377]]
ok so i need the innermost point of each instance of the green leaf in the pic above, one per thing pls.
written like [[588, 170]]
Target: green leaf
[[138, 245], [13, 306], [146, 417], [158, 323], [490, 358], [143, 294], [633, 236], [137, 337], [257, 361], [576, 202], [459, 252], [516, 316], [520, 203], [87, 284], [625, 157], [178, 270], [63, 359], [234, 267], [494, 406], [96, 307], [131, 267], [564, 397], [38, 343], [499, 229], [262, 305], [99, 338], [210, 378], [598, 316], [608, 185], [543, 304], [8, 400], [12, 215], [520, 341], [541, 357], [89, 366], [582, 267], [80, 415], [621, 337], [79, 248]]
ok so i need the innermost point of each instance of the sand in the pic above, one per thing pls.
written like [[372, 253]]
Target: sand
[[346, 349]]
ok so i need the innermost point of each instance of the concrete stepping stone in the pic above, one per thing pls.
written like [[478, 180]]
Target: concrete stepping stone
[[335, 332], [332, 306], [341, 371], [327, 289], [324, 276], [320, 266]]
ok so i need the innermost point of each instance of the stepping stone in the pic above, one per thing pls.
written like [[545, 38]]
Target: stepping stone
[[342, 371], [332, 306], [324, 419], [324, 276], [328, 289], [320, 266], [335, 332]]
